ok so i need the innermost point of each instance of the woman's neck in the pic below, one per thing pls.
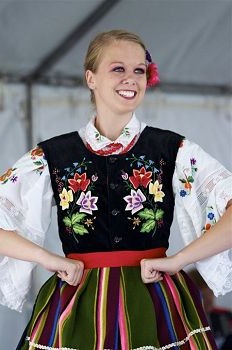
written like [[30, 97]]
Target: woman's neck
[[112, 126]]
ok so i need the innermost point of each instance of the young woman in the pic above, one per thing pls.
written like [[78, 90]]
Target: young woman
[[114, 183]]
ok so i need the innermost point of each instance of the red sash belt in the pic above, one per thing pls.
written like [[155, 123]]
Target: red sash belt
[[117, 258]]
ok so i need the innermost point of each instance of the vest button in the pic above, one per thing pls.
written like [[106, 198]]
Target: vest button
[[115, 212], [117, 239], [112, 159], [113, 186]]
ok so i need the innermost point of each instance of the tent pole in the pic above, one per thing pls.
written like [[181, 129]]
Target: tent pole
[[72, 39], [29, 112]]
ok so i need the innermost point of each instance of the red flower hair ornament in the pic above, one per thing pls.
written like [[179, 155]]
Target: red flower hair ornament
[[152, 71]]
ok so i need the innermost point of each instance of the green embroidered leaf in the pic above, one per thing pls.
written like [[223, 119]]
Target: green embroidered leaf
[[159, 214], [190, 179], [147, 214], [38, 162], [67, 221], [79, 229], [183, 181], [77, 217], [148, 226]]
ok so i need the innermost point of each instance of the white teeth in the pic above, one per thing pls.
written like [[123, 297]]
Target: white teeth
[[126, 93]]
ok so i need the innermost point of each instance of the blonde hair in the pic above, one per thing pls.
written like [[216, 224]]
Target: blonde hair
[[97, 45]]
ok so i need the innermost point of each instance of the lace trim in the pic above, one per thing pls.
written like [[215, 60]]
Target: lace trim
[[147, 347], [44, 347], [18, 219], [12, 293], [11, 209], [217, 272], [209, 183]]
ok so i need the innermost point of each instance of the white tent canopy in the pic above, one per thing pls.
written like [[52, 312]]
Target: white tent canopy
[[189, 39]]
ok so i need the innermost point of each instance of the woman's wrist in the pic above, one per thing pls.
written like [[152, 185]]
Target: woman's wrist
[[180, 260], [41, 256]]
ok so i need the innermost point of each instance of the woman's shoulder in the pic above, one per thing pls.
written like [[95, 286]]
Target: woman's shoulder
[[162, 139], [162, 132], [59, 138]]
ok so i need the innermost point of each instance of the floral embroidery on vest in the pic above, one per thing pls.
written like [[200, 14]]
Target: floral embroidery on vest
[[188, 179], [75, 193], [145, 185]]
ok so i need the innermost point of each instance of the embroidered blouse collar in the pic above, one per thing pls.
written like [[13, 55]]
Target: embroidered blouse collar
[[98, 141]]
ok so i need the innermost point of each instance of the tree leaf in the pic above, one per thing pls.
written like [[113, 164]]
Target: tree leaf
[[80, 229], [147, 214], [148, 226]]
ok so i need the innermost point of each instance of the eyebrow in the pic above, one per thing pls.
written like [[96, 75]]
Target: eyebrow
[[139, 64]]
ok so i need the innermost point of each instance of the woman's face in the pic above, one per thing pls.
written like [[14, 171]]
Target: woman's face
[[119, 83]]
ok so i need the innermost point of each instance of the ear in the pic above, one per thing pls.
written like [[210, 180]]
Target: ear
[[90, 79]]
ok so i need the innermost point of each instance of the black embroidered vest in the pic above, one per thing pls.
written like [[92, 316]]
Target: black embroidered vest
[[117, 202]]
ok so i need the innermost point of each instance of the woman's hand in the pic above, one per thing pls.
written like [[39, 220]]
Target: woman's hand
[[18, 247], [68, 270], [152, 269], [212, 242], [72, 273]]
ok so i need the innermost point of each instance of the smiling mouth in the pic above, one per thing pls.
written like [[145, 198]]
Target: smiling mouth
[[128, 94]]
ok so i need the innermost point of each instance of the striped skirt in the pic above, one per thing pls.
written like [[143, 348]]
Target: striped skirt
[[113, 309]]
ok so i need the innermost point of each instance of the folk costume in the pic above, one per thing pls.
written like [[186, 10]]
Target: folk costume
[[115, 203]]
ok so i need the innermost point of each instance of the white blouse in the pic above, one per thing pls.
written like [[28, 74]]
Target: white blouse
[[202, 188]]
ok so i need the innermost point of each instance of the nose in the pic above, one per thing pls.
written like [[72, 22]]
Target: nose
[[129, 81]]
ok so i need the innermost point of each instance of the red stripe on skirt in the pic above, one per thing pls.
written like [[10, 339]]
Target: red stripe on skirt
[[117, 258]]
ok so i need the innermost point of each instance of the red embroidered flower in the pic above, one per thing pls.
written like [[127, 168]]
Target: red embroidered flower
[[140, 178], [207, 227], [37, 152], [152, 74], [79, 182]]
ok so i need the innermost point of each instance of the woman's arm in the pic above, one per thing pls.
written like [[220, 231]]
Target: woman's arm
[[16, 246], [212, 242]]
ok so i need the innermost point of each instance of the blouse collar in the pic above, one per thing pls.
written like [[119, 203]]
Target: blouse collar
[[97, 141]]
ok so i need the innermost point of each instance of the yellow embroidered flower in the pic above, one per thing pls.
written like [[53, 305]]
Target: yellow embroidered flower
[[155, 189], [65, 198], [7, 174]]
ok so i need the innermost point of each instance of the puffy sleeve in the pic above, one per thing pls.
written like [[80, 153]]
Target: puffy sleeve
[[202, 188], [25, 207]]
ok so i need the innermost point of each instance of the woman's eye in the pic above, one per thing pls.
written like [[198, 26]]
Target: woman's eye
[[140, 71], [118, 69]]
